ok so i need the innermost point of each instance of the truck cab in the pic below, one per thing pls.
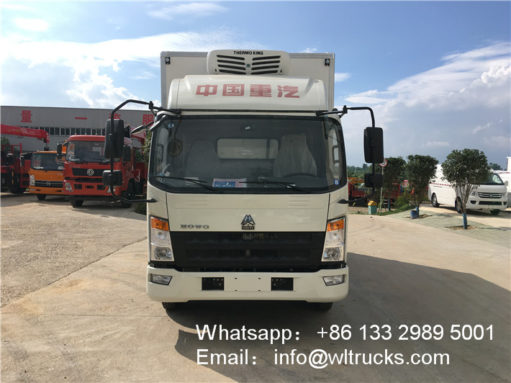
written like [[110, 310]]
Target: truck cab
[[84, 165], [46, 174]]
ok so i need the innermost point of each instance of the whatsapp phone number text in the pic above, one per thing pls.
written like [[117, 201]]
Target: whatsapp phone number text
[[408, 332]]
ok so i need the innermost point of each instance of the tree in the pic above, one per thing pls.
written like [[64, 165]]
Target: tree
[[419, 170], [494, 166], [464, 169], [393, 173]]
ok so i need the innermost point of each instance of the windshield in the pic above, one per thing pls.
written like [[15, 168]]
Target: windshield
[[494, 179], [46, 161], [248, 154], [85, 151]]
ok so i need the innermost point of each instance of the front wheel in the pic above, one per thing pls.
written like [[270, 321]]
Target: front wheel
[[76, 203], [494, 212], [41, 197], [434, 201]]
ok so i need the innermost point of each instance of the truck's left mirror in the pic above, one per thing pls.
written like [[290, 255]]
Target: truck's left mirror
[[114, 139], [59, 149]]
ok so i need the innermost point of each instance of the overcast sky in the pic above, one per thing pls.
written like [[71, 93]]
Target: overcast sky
[[437, 74]]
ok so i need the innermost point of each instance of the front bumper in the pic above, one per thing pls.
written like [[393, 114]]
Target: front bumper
[[487, 204], [86, 189], [45, 190], [187, 286]]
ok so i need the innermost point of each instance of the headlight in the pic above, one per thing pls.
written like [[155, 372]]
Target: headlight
[[161, 247], [68, 187], [32, 180], [335, 237]]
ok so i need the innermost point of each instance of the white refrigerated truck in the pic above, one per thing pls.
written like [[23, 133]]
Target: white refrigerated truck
[[248, 181]]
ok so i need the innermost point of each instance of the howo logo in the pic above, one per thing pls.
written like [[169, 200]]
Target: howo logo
[[248, 223], [194, 227], [90, 172]]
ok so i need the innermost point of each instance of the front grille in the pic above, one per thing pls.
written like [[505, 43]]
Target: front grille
[[491, 203], [242, 251], [83, 172], [490, 195], [49, 184], [89, 180]]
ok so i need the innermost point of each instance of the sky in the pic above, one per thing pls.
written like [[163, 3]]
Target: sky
[[437, 74]]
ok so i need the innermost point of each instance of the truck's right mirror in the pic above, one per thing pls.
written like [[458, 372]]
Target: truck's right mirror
[[373, 145], [114, 139], [59, 149]]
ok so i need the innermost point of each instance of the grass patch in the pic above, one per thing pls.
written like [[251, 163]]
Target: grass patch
[[398, 209]]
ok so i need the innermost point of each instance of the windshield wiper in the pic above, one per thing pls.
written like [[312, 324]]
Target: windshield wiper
[[202, 183], [287, 185]]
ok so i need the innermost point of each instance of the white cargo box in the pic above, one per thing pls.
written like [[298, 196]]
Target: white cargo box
[[313, 66]]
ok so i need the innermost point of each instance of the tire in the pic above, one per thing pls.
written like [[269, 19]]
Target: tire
[[322, 306], [15, 189], [76, 203], [457, 206], [169, 306], [434, 201], [41, 197], [494, 212], [129, 194]]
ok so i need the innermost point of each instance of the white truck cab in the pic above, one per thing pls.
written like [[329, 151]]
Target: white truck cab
[[247, 179], [490, 196]]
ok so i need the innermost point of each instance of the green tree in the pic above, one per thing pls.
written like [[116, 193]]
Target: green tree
[[464, 169], [494, 166], [419, 170], [393, 173]]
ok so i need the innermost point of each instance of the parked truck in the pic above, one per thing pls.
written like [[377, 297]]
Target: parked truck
[[46, 174], [84, 165], [15, 163], [247, 179]]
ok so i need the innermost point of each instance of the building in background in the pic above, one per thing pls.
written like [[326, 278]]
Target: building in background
[[60, 123]]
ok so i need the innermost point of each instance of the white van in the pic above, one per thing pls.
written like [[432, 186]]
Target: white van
[[505, 176], [491, 196]]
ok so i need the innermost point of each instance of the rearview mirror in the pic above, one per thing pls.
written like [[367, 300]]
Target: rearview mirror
[[373, 145], [114, 139], [59, 149]]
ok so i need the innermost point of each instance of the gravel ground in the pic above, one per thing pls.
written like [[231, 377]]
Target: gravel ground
[[45, 241]]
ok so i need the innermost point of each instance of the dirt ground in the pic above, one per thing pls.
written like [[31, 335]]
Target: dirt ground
[[81, 313]]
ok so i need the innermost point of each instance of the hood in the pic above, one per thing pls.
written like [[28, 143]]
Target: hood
[[256, 213]]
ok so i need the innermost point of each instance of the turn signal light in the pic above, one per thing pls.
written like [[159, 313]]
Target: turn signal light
[[335, 225], [160, 224]]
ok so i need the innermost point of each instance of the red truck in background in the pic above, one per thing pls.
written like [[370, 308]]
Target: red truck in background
[[16, 163], [357, 192], [84, 165]]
